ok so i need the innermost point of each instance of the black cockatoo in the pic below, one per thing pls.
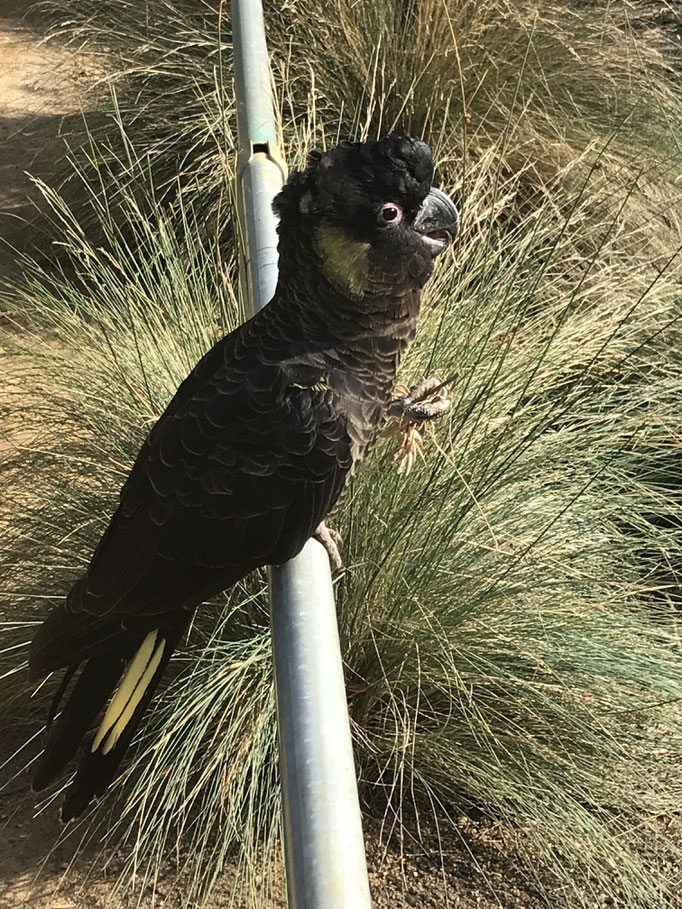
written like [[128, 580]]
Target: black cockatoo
[[254, 449]]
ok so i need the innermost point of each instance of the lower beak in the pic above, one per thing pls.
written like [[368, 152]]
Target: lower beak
[[437, 220]]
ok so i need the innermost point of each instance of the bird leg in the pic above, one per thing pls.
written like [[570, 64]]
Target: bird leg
[[424, 401], [332, 542], [412, 409]]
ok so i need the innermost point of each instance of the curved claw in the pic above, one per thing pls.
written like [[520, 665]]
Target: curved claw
[[414, 406], [332, 542]]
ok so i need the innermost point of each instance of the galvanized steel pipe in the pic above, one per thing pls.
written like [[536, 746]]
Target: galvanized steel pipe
[[324, 846]]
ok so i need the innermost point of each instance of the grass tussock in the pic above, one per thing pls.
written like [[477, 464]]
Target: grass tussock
[[509, 612]]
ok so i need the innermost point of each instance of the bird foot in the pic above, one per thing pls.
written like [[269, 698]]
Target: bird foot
[[424, 401], [332, 542], [411, 409]]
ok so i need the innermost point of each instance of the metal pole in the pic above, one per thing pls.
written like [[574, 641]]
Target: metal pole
[[323, 842]]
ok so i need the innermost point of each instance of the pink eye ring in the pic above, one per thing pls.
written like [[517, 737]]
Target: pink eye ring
[[390, 213]]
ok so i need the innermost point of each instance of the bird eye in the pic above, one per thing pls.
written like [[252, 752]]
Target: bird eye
[[391, 213]]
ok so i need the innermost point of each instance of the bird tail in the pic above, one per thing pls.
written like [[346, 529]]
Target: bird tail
[[119, 665]]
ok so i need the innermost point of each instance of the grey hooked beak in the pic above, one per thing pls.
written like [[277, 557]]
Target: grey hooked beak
[[437, 220]]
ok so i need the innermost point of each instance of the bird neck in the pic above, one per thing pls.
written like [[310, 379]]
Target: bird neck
[[382, 319], [364, 339]]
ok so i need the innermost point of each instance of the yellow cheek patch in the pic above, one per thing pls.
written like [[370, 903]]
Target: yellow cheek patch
[[344, 260], [137, 676]]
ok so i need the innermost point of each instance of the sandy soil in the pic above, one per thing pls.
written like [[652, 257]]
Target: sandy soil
[[475, 873], [40, 84]]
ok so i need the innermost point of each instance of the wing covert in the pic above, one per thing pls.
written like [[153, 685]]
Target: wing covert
[[237, 475]]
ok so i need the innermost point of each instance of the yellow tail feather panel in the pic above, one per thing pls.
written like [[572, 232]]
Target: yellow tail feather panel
[[131, 688]]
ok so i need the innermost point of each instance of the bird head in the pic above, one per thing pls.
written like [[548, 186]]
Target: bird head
[[370, 214]]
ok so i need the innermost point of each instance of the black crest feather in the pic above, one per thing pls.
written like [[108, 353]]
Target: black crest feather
[[356, 176]]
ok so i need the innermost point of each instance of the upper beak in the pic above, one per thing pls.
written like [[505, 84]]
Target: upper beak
[[438, 220]]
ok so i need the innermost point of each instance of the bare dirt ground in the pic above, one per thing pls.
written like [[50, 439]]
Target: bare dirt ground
[[40, 83]]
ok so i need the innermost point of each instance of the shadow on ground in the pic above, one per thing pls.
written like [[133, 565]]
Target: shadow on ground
[[44, 87]]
